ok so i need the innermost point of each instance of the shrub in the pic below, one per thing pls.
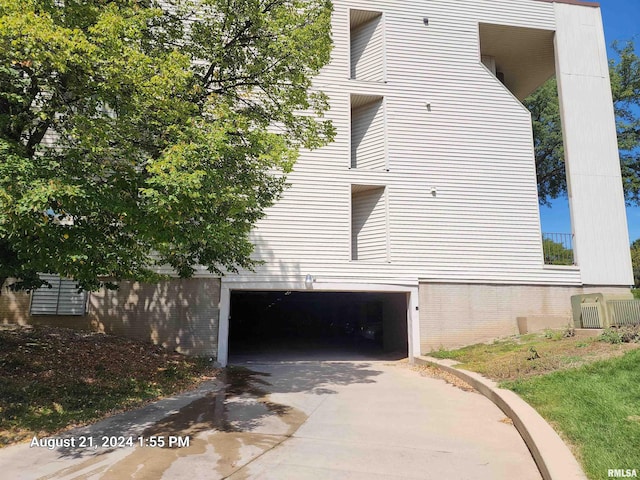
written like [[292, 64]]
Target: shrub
[[630, 334], [569, 331], [625, 334], [611, 335]]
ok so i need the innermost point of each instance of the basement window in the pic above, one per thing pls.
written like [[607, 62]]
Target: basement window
[[62, 298]]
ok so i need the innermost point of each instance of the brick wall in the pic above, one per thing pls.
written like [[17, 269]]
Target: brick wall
[[453, 315]]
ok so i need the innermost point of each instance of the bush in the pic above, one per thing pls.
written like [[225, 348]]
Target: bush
[[625, 334], [569, 331], [630, 334], [611, 335]]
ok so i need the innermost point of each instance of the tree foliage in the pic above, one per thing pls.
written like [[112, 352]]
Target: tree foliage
[[625, 86], [635, 260], [555, 253], [547, 135], [547, 130], [134, 135]]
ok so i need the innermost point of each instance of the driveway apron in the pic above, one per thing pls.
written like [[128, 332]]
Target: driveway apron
[[297, 420]]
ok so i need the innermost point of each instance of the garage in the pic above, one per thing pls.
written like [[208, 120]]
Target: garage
[[318, 325]]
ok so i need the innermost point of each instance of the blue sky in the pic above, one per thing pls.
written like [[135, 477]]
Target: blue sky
[[621, 20]]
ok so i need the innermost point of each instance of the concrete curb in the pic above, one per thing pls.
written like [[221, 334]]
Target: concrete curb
[[552, 456]]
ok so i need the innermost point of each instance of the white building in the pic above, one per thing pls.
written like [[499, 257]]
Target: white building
[[427, 199]]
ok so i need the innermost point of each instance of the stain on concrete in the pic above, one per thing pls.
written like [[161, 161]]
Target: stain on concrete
[[226, 429], [70, 471]]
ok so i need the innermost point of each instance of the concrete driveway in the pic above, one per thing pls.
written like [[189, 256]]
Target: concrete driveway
[[296, 420]]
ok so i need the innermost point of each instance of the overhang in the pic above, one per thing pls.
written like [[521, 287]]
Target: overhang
[[524, 56]]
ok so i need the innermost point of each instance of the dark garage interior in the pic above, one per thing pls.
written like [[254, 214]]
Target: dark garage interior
[[322, 325]]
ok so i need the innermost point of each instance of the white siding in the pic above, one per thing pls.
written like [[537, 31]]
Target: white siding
[[473, 145], [62, 298], [368, 224], [597, 198], [71, 301], [368, 137], [367, 46], [44, 300]]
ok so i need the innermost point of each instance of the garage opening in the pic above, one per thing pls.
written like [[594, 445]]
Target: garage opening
[[317, 325]]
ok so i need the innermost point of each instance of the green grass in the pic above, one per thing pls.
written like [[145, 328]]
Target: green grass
[[482, 351], [532, 355], [636, 292], [52, 379], [595, 407]]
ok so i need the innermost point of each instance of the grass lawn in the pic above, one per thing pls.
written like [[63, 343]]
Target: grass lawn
[[534, 354], [597, 409], [53, 378], [588, 389]]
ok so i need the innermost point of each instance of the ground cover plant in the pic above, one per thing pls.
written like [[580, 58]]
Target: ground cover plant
[[53, 378], [586, 388], [529, 355]]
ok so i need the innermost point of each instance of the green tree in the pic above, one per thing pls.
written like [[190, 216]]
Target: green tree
[[635, 260], [134, 135], [547, 130], [555, 253]]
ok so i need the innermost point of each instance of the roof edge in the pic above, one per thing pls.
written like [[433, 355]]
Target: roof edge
[[573, 2]]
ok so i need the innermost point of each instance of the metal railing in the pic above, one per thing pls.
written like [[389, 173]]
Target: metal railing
[[595, 310], [591, 315], [558, 249], [624, 312]]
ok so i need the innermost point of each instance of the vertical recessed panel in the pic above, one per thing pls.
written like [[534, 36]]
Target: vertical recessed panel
[[368, 135], [367, 46], [368, 223]]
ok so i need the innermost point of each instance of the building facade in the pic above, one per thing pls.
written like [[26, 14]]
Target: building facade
[[427, 199]]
